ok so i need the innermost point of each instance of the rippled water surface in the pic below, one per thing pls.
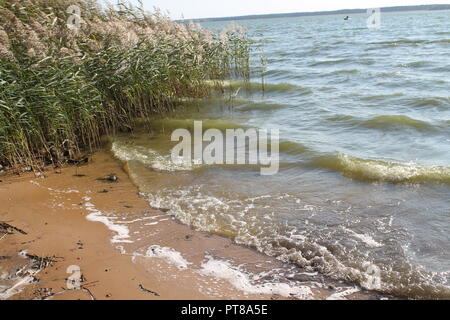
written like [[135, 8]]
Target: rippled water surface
[[363, 193]]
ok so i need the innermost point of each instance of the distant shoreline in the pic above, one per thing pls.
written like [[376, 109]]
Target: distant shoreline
[[431, 7]]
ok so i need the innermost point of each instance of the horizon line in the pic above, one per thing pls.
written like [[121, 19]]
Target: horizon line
[[443, 6]]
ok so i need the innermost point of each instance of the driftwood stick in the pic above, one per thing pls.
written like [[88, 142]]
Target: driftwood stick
[[148, 291], [89, 292], [10, 229], [90, 284]]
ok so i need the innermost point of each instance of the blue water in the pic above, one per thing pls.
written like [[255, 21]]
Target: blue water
[[363, 193]]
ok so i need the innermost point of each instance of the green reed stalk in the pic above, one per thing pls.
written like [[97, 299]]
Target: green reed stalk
[[62, 89]]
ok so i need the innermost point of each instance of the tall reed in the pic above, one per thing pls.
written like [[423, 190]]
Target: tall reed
[[62, 89]]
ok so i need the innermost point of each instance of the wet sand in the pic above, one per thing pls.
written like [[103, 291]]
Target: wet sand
[[74, 219]]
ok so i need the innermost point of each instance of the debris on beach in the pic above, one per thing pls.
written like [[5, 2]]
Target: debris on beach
[[44, 294], [18, 268], [78, 161], [88, 292], [141, 287], [39, 263], [20, 271], [109, 178], [6, 228], [163, 210]]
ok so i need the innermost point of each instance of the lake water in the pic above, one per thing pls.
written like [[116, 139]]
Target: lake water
[[363, 193]]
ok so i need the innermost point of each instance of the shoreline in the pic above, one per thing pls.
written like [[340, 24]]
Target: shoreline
[[74, 219]]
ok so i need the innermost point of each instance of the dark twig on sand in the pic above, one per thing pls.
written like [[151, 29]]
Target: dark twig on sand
[[40, 263], [90, 284], [9, 229], [89, 292], [148, 291]]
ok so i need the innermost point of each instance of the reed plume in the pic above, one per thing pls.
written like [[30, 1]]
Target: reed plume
[[59, 84]]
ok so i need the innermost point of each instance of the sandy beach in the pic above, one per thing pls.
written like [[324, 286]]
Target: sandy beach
[[65, 219]]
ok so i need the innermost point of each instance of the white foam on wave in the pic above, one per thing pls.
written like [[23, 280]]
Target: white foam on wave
[[193, 208], [148, 157], [343, 294], [142, 219], [367, 239], [223, 270], [242, 281], [392, 171], [53, 190], [168, 254], [122, 232]]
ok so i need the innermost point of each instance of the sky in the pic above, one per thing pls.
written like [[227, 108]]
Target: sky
[[191, 9]]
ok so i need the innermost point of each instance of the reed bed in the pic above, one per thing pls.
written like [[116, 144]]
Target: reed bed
[[63, 88]]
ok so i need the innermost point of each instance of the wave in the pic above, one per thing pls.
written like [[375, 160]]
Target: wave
[[385, 122], [129, 152], [257, 106], [282, 74], [257, 86], [169, 125], [235, 104], [415, 64], [441, 102], [292, 148], [411, 42], [342, 118], [268, 87], [351, 167], [445, 41], [346, 71], [397, 121], [381, 97], [330, 62], [264, 40], [240, 218], [373, 170]]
